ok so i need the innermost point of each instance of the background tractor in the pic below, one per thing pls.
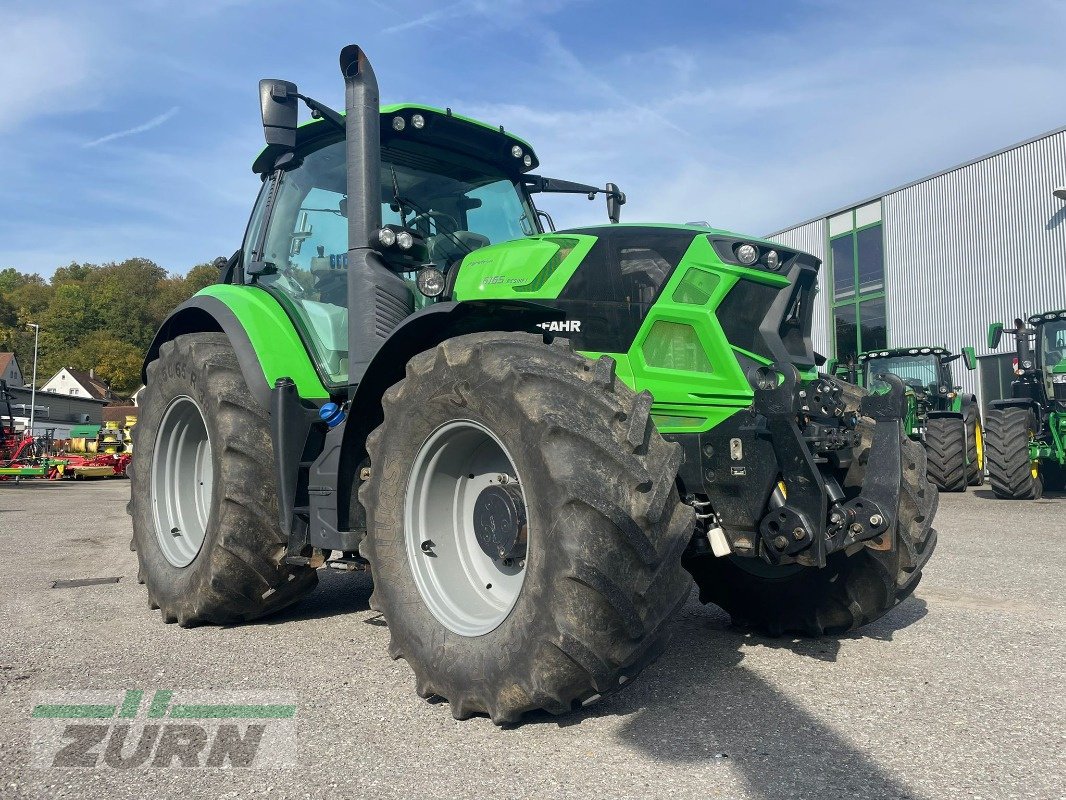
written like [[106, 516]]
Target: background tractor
[[1026, 433], [939, 415], [526, 435]]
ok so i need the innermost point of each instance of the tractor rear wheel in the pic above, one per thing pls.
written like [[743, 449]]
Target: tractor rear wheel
[[1012, 475], [975, 447], [524, 528], [945, 446], [851, 590], [203, 493]]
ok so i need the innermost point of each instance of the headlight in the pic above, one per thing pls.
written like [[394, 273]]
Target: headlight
[[516, 151], [387, 237], [418, 121], [747, 253], [1027, 365], [404, 240], [527, 159], [1061, 378], [773, 260], [942, 389], [430, 281], [398, 123]]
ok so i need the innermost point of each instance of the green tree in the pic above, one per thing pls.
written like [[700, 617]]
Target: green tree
[[93, 316]]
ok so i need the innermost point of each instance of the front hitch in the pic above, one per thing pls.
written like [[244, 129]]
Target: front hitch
[[814, 518]]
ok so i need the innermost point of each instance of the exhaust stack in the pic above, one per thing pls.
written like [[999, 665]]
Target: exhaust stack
[[378, 299]]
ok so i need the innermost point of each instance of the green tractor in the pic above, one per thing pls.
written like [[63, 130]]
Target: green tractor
[[939, 415], [533, 439], [1026, 433]]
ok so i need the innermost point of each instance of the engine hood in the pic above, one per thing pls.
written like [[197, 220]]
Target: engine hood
[[607, 278]]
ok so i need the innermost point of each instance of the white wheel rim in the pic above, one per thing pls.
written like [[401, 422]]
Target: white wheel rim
[[182, 481], [467, 591]]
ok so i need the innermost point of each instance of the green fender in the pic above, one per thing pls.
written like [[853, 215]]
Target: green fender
[[266, 341]]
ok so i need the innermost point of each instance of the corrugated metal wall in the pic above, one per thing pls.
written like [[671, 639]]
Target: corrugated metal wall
[[811, 238], [981, 243]]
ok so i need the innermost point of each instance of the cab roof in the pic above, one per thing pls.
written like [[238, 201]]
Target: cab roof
[[442, 127], [905, 351], [1037, 319]]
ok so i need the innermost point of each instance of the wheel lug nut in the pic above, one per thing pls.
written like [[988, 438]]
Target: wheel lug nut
[[876, 520], [798, 534]]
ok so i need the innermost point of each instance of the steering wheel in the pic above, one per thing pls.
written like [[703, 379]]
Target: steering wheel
[[435, 216]]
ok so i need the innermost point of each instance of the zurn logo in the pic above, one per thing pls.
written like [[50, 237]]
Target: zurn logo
[[163, 729]]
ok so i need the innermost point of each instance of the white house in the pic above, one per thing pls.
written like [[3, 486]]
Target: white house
[[79, 384], [10, 371]]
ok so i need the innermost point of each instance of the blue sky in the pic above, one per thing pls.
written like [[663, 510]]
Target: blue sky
[[131, 131]]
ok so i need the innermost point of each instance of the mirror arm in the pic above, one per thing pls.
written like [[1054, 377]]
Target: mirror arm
[[322, 111]]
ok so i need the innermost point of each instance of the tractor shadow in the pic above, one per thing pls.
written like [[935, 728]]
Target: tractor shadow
[[1047, 496], [337, 593], [699, 704]]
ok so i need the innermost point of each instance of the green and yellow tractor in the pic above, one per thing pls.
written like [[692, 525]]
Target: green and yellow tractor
[[1026, 432], [942, 417], [534, 439]]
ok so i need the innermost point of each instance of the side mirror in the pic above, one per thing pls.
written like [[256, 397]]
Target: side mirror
[[616, 198], [995, 333], [277, 101], [969, 357]]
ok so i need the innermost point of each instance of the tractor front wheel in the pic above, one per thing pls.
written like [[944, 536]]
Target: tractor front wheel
[[1010, 471], [852, 590], [945, 447], [203, 493], [524, 529]]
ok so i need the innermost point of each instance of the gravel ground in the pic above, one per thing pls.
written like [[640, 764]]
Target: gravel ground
[[958, 693]]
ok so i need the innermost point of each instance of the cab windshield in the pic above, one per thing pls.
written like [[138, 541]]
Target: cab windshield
[[916, 372], [457, 205], [1053, 343]]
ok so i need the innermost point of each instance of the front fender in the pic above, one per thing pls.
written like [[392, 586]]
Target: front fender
[[263, 337]]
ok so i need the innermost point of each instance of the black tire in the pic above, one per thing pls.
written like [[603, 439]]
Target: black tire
[[975, 451], [595, 605], [852, 590], [237, 575], [945, 447], [1007, 435]]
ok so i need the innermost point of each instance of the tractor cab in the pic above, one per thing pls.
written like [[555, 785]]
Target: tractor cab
[[1051, 353], [448, 185], [925, 372]]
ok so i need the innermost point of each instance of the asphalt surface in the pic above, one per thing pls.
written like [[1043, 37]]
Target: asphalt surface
[[957, 693]]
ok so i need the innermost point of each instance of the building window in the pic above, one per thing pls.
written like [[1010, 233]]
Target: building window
[[857, 261]]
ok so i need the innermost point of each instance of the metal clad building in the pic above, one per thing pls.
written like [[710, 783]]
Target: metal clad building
[[933, 262]]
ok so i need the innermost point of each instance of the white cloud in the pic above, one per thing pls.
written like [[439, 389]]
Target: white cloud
[[154, 122]]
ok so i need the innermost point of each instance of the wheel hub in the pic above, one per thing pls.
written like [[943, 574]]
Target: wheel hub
[[500, 521]]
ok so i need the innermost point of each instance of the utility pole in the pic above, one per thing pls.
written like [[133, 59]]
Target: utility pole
[[33, 384]]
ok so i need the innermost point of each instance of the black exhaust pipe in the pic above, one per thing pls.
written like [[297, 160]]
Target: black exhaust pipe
[[378, 299]]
